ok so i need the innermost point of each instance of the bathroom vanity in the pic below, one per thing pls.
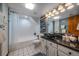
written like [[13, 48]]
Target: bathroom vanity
[[54, 47]]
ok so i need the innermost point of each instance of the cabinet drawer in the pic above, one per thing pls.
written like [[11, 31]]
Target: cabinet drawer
[[68, 51], [51, 44], [72, 53]]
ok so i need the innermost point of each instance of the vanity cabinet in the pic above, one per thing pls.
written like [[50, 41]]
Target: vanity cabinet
[[48, 48], [51, 49]]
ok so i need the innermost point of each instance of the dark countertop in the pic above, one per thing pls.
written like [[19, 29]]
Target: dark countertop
[[61, 43]]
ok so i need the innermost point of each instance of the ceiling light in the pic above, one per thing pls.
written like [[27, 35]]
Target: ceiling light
[[29, 6], [70, 7], [62, 10], [56, 17]]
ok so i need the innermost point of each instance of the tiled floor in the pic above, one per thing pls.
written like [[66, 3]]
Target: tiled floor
[[27, 51]]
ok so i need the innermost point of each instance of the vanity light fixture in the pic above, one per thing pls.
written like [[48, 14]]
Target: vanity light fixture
[[29, 6], [52, 14], [70, 7], [60, 7], [54, 11], [62, 10], [68, 4], [49, 13], [46, 15], [57, 13]]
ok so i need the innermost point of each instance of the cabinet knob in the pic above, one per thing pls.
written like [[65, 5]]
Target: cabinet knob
[[69, 53]]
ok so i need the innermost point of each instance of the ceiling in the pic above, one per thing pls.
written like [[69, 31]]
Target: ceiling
[[40, 9]]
